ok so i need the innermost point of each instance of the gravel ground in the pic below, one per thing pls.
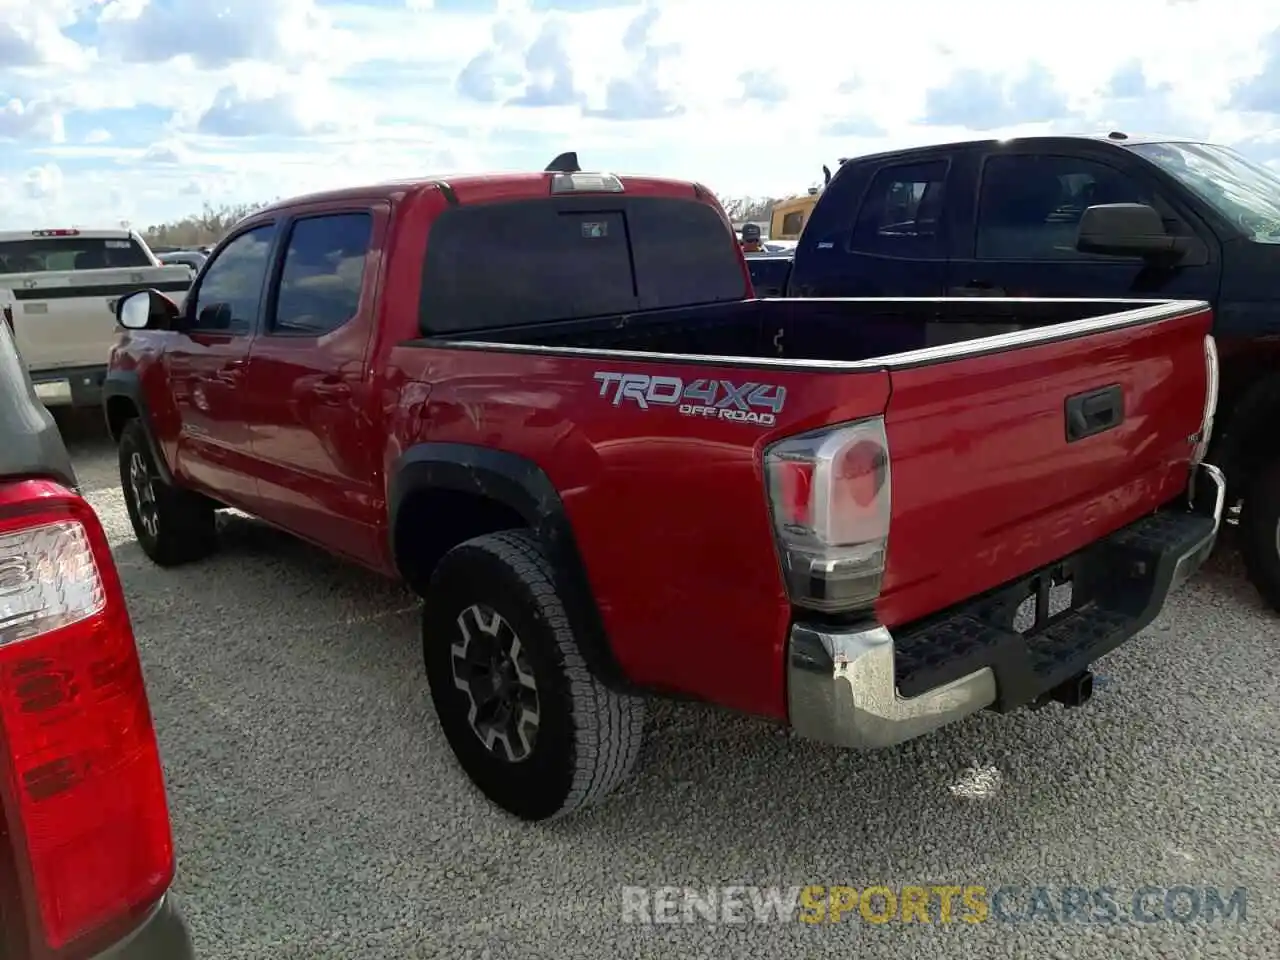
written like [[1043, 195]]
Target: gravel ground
[[318, 812]]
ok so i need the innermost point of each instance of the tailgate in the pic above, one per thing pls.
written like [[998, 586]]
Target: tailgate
[[1044, 442], [67, 318]]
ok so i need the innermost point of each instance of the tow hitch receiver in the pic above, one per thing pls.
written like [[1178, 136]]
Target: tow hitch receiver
[[1075, 692]]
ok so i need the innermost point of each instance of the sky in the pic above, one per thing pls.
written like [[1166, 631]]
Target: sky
[[145, 110]]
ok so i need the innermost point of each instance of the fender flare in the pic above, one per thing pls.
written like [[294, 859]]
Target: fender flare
[[126, 383], [520, 484]]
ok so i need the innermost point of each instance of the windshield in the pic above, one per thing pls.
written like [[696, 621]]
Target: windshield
[[1244, 192]]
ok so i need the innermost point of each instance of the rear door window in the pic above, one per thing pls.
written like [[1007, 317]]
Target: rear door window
[[323, 274], [901, 215], [536, 261]]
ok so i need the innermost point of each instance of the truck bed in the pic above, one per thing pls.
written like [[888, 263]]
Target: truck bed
[[1001, 464], [843, 331]]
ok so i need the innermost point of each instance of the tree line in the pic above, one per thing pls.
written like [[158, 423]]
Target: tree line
[[212, 222], [198, 229]]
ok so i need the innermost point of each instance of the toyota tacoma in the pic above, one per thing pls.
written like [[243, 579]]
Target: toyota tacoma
[[550, 404]]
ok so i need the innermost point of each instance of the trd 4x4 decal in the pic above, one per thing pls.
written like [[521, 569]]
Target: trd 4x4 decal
[[757, 403]]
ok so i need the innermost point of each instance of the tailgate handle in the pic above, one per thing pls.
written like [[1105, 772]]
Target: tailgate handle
[[1094, 412]]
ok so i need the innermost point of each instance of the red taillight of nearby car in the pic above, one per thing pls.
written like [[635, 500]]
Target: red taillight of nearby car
[[80, 775]]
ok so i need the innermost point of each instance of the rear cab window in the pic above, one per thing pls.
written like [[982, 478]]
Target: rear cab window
[[513, 263], [47, 254]]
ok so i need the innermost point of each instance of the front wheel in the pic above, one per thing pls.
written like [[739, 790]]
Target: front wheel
[[173, 526], [528, 723], [1260, 530]]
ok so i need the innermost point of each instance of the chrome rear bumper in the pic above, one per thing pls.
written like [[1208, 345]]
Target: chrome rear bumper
[[843, 684]]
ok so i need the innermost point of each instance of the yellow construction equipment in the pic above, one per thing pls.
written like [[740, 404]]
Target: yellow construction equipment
[[787, 220]]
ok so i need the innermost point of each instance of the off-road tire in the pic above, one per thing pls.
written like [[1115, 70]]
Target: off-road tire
[[185, 527], [1260, 532], [588, 736]]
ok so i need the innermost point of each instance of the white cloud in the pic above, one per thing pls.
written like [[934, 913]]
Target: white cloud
[[43, 183], [33, 120], [217, 34], [279, 107], [258, 98], [166, 152], [31, 34], [762, 86]]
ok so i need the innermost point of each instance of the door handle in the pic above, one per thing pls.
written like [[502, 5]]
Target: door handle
[[332, 391], [977, 288], [230, 372]]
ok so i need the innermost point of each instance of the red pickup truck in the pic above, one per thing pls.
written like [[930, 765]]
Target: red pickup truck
[[549, 403]]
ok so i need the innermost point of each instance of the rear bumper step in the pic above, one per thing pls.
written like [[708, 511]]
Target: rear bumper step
[[864, 687]]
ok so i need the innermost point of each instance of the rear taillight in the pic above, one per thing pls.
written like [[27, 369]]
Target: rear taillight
[[82, 785], [1210, 400], [829, 497]]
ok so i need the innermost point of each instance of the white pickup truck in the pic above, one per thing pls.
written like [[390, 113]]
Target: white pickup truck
[[58, 290]]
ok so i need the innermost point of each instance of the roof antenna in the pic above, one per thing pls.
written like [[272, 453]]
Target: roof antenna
[[565, 163], [826, 174]]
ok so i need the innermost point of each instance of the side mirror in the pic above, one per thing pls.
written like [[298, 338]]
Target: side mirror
[[146, 309], [216, 316], [1128, 230]]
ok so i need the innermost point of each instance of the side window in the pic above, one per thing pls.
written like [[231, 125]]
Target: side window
[[793, 223], [323, 274], [230, 292], [901, 214], [1029, 207]]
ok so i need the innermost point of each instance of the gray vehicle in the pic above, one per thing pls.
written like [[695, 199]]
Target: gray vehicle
[[86, 851], [191, 258]]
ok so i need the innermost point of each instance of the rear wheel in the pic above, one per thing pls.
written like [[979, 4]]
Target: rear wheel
[[528, 723], [173, 526], [1260, 529]]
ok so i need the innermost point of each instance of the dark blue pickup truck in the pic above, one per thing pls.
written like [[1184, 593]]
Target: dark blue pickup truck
[[1110, 216]]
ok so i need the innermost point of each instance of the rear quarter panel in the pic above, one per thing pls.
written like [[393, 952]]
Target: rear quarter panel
[[669, 511]]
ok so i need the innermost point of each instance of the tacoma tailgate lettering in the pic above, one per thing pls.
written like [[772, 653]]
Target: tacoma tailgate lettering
[[749, 402]]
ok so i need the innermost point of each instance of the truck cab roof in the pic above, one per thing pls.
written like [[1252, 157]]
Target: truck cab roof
[[484, 187], [1115, 138]]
